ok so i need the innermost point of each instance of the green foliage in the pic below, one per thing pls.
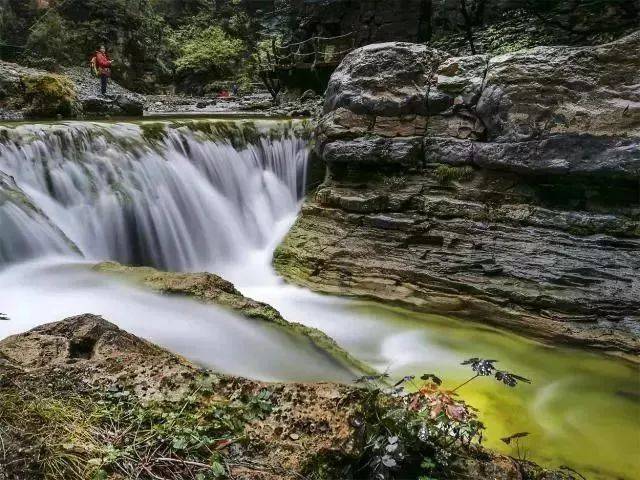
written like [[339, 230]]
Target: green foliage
[[518, 31], [414, 429], [211, 52], [447, 173], [415, 433], [52, 38], [151, 41], [96, 436], [153, 131]]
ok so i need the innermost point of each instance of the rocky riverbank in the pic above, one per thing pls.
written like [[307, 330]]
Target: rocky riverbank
[[71, 93], [83, 399], [503, 190]]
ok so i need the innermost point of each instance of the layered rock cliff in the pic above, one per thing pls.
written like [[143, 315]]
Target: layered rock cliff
[[504, 190]]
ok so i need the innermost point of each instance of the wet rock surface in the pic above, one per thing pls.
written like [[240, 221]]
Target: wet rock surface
[[212, 289], [250, 104], [504, 189]]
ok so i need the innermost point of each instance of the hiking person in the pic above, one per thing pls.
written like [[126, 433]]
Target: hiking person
[[101, 67]]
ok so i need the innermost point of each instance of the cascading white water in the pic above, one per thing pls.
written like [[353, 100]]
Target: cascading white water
[[24, 236], [185, 202]]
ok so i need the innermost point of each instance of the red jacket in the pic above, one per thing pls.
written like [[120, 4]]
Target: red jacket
[[103, 63], [102, 60]]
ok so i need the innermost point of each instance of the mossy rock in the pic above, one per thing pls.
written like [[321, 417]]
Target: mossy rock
[[154, 131], [49, 95], [214, 290]]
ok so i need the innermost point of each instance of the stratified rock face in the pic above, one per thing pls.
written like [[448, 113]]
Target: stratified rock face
[[505, 189]]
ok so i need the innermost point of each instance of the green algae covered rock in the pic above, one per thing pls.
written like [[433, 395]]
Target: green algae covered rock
[[212, 289], [48, 95]]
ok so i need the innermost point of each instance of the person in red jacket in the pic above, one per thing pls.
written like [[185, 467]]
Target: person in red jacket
[[101, 66]]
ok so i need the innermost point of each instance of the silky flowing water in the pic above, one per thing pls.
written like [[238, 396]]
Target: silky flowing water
[[218, 196]]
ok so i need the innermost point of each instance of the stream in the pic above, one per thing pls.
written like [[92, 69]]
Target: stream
[[219, 196]]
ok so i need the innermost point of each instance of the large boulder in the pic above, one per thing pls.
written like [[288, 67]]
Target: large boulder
[[119, 101], [557, 90], [388, 79], [503, 189], [29, 92], [48, 95], [552, 97]]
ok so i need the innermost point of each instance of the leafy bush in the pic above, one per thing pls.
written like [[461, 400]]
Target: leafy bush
[[211, 52], [414, 429], [52, 38]]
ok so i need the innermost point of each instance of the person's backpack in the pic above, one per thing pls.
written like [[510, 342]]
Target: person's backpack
[[94, 67]]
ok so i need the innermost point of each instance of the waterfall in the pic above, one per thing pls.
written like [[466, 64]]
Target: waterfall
[[193, 196]]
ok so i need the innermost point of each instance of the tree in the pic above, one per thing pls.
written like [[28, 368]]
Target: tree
[[265, 61], [473, 15]]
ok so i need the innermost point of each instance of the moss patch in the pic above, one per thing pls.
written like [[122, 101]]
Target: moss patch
[[153, 131], [48, 95], [446, 173]]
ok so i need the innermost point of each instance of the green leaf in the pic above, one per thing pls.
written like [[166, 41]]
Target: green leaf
[[428, 464], [217, 469], [179, 443], [100, 475]]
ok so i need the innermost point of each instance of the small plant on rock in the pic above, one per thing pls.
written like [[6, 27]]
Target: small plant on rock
[[515, 439], [486, 368], [418, 428], [447, 174]]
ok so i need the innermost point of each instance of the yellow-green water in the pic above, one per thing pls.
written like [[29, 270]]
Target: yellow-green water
[[581, 410]]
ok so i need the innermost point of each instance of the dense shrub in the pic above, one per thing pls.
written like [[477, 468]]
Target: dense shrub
[[210, 52]]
